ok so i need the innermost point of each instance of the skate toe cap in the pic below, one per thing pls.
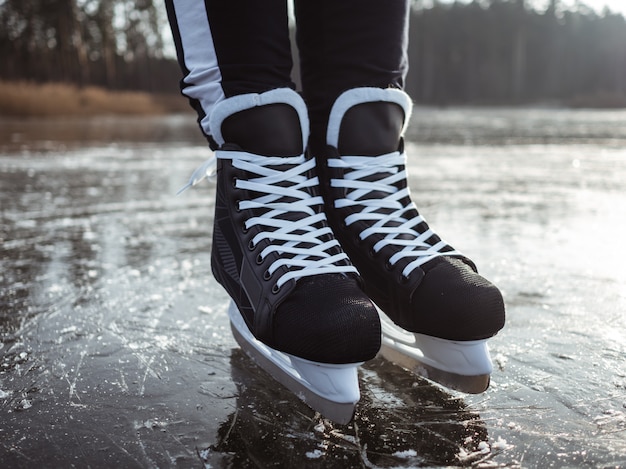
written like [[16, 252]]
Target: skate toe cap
[[328, 319], [456, 303]]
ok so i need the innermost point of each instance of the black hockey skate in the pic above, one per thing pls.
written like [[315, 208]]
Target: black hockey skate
[[297, 308], [437, 312]]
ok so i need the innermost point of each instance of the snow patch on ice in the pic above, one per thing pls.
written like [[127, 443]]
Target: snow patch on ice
[[204, 455], [501, 444], [205, 309], [483, 447], [500, 360], [315, 454], [320, 428], [349, 438], [514, 426], [150, 424], [24, 404], [4, 394], [406, 454], [55, 288]]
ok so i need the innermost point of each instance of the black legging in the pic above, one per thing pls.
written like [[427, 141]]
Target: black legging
[[232, 47]]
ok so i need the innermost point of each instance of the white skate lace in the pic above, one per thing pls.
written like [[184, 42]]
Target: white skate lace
[[387, 216], [282, 185]]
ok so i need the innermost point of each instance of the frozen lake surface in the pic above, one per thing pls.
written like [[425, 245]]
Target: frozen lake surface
[[116, 350]]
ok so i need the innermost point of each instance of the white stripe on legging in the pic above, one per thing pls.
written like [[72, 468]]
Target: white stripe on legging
[[204, 81]]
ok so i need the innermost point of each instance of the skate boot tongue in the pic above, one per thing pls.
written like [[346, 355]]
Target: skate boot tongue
[[370, 153], [371, 129], [271, 130]]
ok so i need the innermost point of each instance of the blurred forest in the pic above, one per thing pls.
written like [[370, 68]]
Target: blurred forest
[[116, 44], [501, 51], [483, 52]]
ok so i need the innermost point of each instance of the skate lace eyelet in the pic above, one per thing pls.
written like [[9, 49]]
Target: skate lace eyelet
[[403, 279], [267, 275], [237, 209], [251, 245], [275, 288], [234, 182], [388, 265], [371, 252], [259, 259], [244, 230]]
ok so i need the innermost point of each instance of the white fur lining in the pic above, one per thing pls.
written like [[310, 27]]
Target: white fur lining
[[235, 104], [356, 96]]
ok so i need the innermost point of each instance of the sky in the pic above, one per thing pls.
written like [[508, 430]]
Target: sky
[[617, 6]]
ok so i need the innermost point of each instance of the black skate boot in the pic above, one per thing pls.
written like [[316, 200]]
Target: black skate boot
[[297, 306], [442, 312]]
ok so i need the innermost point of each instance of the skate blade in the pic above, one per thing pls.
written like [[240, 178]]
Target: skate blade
[[461, 365], [331, 390]]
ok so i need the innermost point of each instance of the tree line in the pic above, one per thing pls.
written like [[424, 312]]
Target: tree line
[[502, 51], [486, 51], [117, 44]]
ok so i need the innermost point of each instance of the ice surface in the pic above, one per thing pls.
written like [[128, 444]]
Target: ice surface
[[115, 350]]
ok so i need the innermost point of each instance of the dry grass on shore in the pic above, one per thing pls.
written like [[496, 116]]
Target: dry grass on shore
[[24, 99]]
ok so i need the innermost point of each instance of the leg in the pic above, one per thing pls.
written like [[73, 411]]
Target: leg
[[348, 44], [438, 312], [297, 307], [227, 48]]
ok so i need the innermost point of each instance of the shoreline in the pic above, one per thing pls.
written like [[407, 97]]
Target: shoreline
[[28, 99], [24, 99]]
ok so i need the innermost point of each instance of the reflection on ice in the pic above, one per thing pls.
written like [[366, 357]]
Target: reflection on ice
[[401, 420]]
